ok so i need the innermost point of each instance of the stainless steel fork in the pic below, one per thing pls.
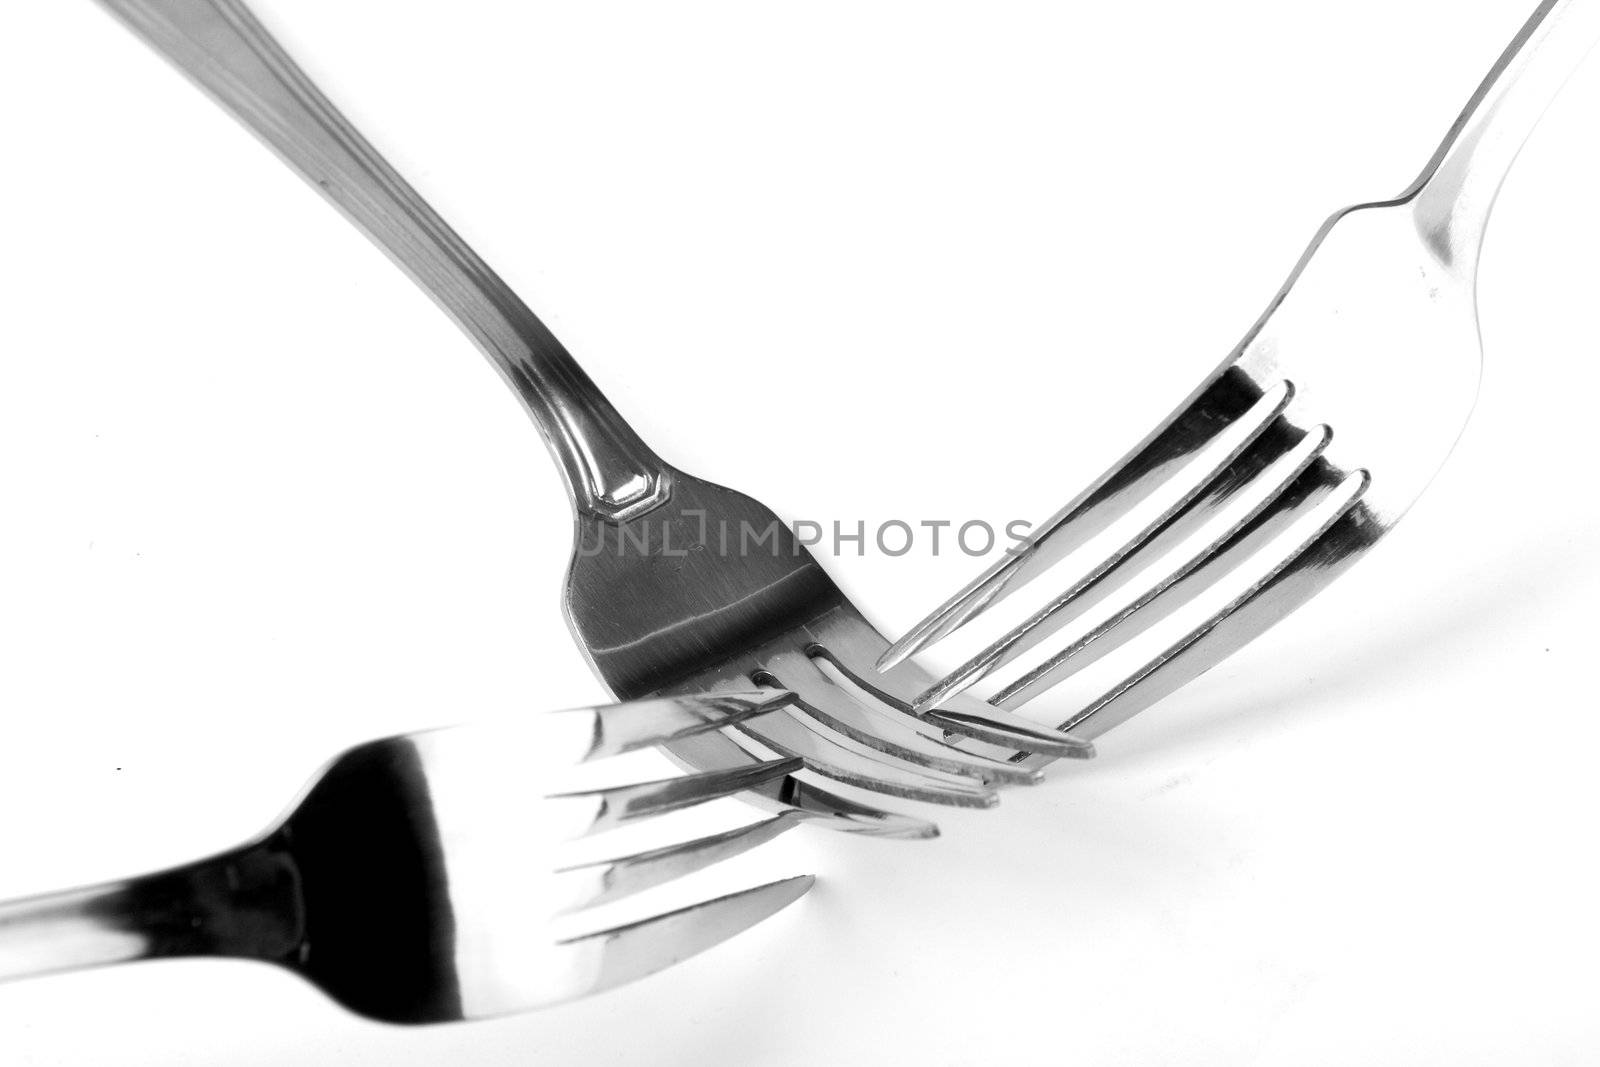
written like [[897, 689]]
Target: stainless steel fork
[[1294, 457], [418, 878], [677, 585]]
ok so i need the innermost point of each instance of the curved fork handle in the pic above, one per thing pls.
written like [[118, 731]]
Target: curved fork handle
[[1457, 188], [221, 46]]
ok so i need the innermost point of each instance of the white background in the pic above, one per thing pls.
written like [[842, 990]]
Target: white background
[[863, 261]]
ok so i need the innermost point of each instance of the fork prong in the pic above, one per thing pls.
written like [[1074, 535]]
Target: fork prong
[[819, 806], [1091, 613], [1126, 504], [611, 957], [962, 715], [885, 731], [1272, 541], [842, 759], [1330, 556], [899, 687], [1261, 584], [616, 805], [834, 812], [660, 720], [845, 639], [607, 880], [1036, 739], [790, 732]]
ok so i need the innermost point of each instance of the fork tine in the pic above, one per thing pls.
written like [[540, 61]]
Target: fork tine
[[883, 731], [838, 813], [843, 759], [643, 723], [607, 880], [827, 810], [901, 686], [611, 957], [1255, 480], [1330, 556], [845, 639], [1265, 574], [834, 755], [616, 805], [1129, 502], [1038, 739]]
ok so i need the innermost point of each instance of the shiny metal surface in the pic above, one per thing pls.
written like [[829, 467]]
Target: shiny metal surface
[[417, 879], [658, 603], [1296, 455]]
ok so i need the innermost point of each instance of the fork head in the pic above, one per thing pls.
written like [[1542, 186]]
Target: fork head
[[1289, 462], [433, 869], [721, 595], [1296, 455]]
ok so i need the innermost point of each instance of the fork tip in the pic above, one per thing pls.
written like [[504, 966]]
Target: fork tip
[[998, 727], [802, 883], [893, 827], [894, 655]]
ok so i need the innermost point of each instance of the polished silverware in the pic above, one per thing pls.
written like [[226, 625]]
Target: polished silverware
[[677, 585], [1294, 457], [417, 879]]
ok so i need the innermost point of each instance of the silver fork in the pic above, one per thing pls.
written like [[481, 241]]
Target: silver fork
[[417, 879], [677, 585], [1293, 458]]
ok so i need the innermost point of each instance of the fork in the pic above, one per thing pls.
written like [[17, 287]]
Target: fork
[[676, 584], [1294, 457], [417, 879]]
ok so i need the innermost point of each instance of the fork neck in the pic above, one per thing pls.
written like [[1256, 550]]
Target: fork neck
[[243, 904], [1452, 198]]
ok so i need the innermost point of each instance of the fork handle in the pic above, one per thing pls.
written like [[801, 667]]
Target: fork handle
[[1456, 190], [243, 904], [224, 49]]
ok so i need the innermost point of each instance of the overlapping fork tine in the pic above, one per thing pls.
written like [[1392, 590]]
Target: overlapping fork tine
[[850, 644], [1232, 596], [796, 794], [679, 719], [642, 723], [616, 805], [846, 760], [830, 753], [902, 685], [1102, 603], [1127, 504], [895, 736], [604, 881], [838, 813], [611, 957]]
